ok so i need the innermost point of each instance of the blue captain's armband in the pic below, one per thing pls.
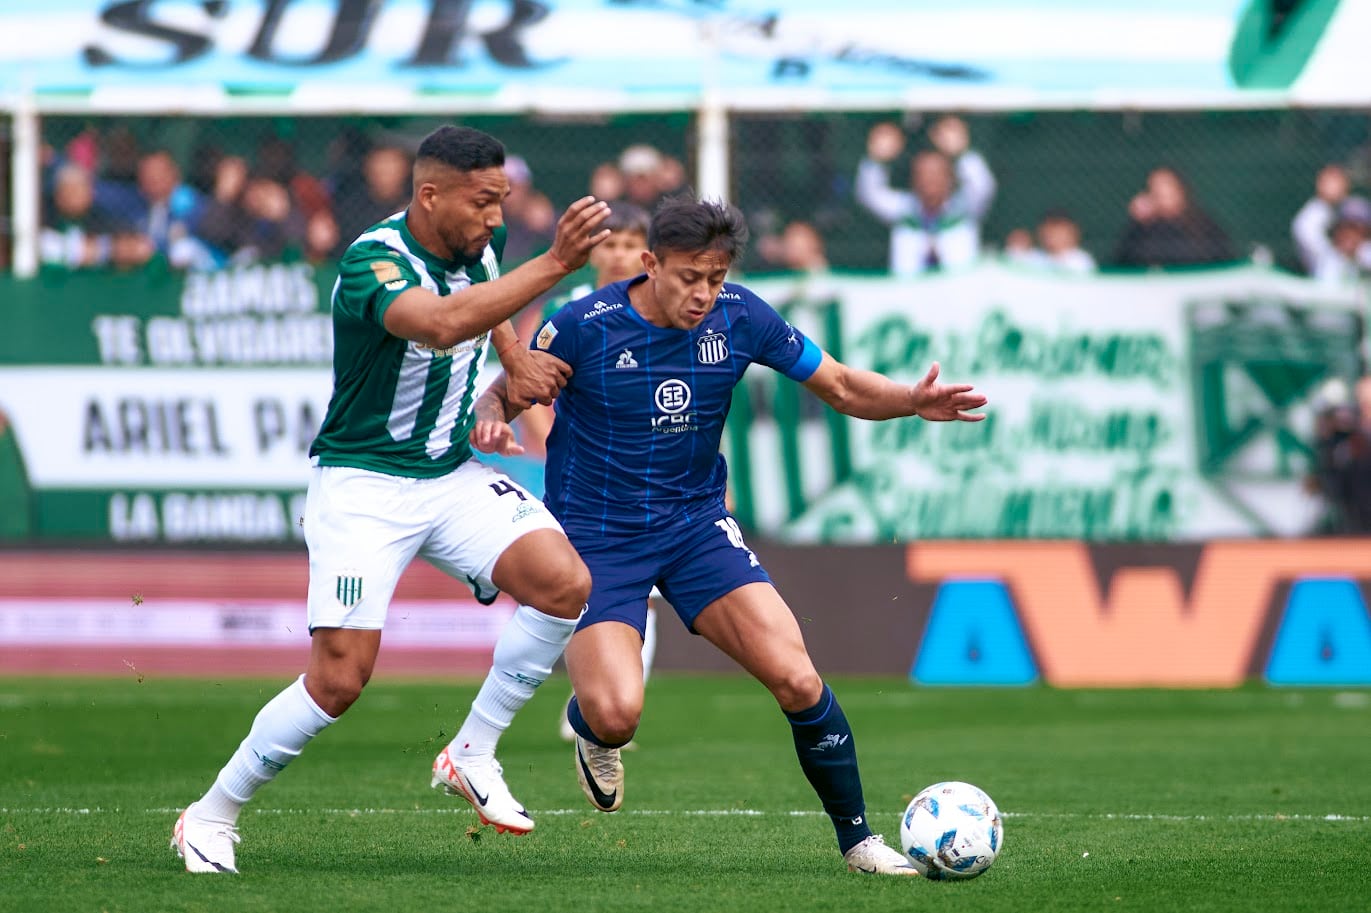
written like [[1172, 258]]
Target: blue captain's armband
[[807, 363]]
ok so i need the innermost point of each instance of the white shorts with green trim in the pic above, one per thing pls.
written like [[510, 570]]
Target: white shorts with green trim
[[363, 528]]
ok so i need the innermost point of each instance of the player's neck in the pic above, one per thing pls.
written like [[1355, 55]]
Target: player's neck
[[643, 299], [422, 231]]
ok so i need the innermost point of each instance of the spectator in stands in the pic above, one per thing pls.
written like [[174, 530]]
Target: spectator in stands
[[1332, 230], [251, 218], [223, 209], [384, 190], [204, 168], [321, 236], [168, 212], [798, 248], [671, 177], [130, 248], [116, 190], [529, 217], [74, 234], [607, 182], [937, 224], [1342, 458], [1167, 229], [1058, 248], [275, 161], [649, 176]]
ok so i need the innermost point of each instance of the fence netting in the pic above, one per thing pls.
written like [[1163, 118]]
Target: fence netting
[[1126, 189]]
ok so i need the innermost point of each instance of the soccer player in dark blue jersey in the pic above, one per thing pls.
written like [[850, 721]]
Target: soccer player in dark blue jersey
[[635, 477]]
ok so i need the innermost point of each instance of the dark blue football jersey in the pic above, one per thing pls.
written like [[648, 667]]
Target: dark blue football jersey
[[635, 442]]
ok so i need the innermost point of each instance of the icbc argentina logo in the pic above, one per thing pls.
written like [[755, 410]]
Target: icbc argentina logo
[[672, 397]]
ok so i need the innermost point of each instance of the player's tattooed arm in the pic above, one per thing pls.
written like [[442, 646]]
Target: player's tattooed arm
[[492, 433], [530, 377]]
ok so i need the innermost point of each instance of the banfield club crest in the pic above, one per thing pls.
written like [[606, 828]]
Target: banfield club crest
[[712, 348]]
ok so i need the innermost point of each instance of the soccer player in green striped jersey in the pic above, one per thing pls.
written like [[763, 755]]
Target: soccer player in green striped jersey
[[418, 300]]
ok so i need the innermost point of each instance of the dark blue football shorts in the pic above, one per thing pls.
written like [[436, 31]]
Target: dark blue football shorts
[[693, 563]]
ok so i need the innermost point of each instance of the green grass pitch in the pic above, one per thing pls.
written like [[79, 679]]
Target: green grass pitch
[[1249, 800]]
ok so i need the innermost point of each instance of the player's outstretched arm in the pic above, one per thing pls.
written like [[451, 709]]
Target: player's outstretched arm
[[443, 321], [868, 395], [492, 432]]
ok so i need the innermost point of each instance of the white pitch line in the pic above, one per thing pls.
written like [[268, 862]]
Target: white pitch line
[[666, 813]]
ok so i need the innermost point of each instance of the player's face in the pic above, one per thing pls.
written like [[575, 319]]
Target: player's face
[[618, 257], [466, 207], [685, 284]]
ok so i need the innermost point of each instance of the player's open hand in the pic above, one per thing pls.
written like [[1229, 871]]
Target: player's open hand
[[495, 437], [578, 230], [535, 377], [946, 402]]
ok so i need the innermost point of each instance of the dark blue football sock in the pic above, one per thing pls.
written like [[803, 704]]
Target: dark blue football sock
[[582, 728], [823, 742]]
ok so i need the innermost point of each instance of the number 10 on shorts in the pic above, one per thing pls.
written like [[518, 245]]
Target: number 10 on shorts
[[735, 537]]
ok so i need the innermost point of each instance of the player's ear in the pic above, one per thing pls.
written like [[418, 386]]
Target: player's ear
[[425, 194], [649, 264]]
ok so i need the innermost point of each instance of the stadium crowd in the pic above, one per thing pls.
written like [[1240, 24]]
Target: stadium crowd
[[110, 203]]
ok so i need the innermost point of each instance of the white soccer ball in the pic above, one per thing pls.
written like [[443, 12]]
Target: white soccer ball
[[951, 830]]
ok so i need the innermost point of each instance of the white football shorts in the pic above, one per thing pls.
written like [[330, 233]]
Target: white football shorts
[[363, 528]]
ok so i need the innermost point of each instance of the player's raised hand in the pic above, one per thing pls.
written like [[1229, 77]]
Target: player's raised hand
[[490, 436], [946, 402], [578, 230], [535, 377]]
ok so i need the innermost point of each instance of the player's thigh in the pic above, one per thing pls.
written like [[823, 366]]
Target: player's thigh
[[623, 572], [361, 537], [709, 560], [541, 569], [753, 625], [605, 664], [483, 513]]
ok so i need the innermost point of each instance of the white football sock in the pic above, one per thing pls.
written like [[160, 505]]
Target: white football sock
[[528, 646], [279, 733], [649, 642]]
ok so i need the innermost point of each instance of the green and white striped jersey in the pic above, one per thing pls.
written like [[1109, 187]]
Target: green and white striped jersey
[[398, 406]]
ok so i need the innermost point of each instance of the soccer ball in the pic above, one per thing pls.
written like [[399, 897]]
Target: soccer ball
[[951, 830]]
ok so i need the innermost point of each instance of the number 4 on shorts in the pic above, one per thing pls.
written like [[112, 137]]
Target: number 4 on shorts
[[506, 487]]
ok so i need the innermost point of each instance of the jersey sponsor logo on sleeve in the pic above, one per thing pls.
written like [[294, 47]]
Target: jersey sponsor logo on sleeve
[[729, 296], [386, 271], [711, 348], [546, 335], [395, 285]]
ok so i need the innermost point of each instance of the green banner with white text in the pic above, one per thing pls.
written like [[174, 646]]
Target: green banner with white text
[[157, 406], [167, 408], [1122, 408]]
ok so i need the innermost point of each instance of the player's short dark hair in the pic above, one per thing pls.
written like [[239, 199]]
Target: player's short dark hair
[[463, 148], [627, 217], [687, 225]]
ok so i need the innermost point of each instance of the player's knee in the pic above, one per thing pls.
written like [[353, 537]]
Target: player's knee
[[338, 689], [798, 689], [567, 588], [613, 720]]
